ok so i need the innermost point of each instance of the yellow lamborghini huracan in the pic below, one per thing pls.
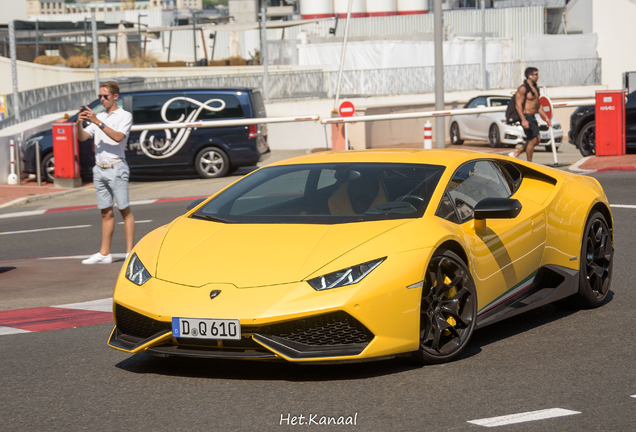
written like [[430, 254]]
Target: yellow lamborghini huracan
[[343, 256]]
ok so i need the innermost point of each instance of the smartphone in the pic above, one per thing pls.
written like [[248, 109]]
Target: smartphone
[[83, 108]]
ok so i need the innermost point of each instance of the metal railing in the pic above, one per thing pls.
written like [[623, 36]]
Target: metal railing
[[321, 84], [47, 100]]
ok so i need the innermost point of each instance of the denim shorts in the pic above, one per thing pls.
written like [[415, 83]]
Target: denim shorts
[[112, 184]]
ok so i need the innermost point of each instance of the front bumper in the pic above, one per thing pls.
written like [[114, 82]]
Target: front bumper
[[377, 317]]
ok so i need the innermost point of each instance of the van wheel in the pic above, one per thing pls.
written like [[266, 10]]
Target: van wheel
[[212, 162], [48, 168]]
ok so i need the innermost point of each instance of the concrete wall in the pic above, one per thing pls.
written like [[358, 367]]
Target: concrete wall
[[578, 17], [32, 76], [614, 26]]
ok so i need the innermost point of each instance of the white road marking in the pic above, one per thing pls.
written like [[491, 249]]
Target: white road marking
[[623, 206], [141, 221], [142, 202], [634, 396], [104, 305], [21, 214], [11, 330], [524, 417], [44, 229]]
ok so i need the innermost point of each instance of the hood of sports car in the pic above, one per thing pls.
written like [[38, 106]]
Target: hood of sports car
[[196, 252]]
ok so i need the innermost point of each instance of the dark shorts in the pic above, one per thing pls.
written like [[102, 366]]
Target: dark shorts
[[533, 127]]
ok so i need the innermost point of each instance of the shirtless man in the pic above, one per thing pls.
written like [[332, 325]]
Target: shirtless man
[[527, 113]]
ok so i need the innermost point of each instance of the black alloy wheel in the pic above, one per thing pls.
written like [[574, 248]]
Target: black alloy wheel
[[455, 137], [586, 141], [48, 168], [212, 162], [448, 309], [597, 253], [494, 140]]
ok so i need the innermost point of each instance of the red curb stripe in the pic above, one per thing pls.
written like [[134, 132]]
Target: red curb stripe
[[50, 318], [62, 209], [618, 168]]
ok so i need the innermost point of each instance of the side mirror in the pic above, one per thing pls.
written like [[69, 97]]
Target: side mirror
[[195, 203], [497, 208]]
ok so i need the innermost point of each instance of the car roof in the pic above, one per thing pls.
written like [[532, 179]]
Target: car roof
[[445, 157], [225, 90]]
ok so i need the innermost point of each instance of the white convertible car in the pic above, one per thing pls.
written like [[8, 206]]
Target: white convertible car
[[492, 127]]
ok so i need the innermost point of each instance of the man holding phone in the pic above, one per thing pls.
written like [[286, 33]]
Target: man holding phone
[[110, 130]]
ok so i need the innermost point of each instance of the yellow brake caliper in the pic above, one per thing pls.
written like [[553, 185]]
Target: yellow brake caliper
[[449, 295]]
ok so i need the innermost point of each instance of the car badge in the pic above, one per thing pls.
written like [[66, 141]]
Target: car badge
[[214, 294]]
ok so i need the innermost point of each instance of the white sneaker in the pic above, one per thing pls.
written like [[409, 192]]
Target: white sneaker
[[98, 259], [512, 155]]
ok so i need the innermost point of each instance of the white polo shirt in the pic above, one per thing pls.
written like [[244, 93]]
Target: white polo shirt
[[106, 149]]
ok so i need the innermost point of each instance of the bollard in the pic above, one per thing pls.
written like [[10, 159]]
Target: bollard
[[428, 135], [12, 179]]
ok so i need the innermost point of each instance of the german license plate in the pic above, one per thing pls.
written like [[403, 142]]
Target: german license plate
[[199, 328], [545, 136]]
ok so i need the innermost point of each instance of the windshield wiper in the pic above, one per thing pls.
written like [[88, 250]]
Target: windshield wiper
[[208, 217]]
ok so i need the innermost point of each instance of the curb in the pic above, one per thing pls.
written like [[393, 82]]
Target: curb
[[575, 166], [25, 200]]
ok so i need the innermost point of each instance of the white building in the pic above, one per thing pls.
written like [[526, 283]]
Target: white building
[[612, 22]]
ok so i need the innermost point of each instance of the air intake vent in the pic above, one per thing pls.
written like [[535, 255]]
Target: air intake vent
[[138, 325]]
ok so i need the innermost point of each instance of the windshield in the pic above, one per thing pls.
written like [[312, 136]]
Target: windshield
[[326, 194]]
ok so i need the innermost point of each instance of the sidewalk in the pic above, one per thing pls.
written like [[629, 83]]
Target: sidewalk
[[29, 196]]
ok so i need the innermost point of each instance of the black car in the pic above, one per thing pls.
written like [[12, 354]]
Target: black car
[[210, 152], [583, 126]]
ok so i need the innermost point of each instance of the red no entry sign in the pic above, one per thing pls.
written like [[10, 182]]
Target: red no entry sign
[[546, 103], [346, 109]]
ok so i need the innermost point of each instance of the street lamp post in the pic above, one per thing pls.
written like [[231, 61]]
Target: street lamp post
[[139, 32]]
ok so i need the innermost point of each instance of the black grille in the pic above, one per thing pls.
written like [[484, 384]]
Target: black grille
[[543, 127], [138, 325], [334, 329]]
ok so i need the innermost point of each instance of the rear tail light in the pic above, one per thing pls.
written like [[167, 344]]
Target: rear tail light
[[253, 131]]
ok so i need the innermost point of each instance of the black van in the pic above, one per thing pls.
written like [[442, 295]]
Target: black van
[[211, 152]]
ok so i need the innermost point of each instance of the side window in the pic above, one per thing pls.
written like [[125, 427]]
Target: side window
[[499, 102], [446, 209], [198, 111], [147, 108], [511, 175], [472, 183]]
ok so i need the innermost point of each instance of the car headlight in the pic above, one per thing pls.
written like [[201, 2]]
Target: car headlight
[[136, 272], [556, 126], [348, 276]]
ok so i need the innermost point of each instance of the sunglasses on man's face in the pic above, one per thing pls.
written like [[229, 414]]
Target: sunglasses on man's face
[[103, 96]]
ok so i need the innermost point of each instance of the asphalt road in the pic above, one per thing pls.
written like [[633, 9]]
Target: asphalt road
[[582, 361]]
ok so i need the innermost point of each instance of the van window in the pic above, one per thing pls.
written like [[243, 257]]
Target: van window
[[233, 108], [259, 106], [147, 108]]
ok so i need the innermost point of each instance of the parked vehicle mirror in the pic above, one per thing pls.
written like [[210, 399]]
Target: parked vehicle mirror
[[497, 208]]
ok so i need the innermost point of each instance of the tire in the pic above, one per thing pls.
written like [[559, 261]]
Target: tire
[[48, 168], [455, 136], [212, 162], [597, 253], [586, 140], [548, 148], [494, 138], [448, 310]]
